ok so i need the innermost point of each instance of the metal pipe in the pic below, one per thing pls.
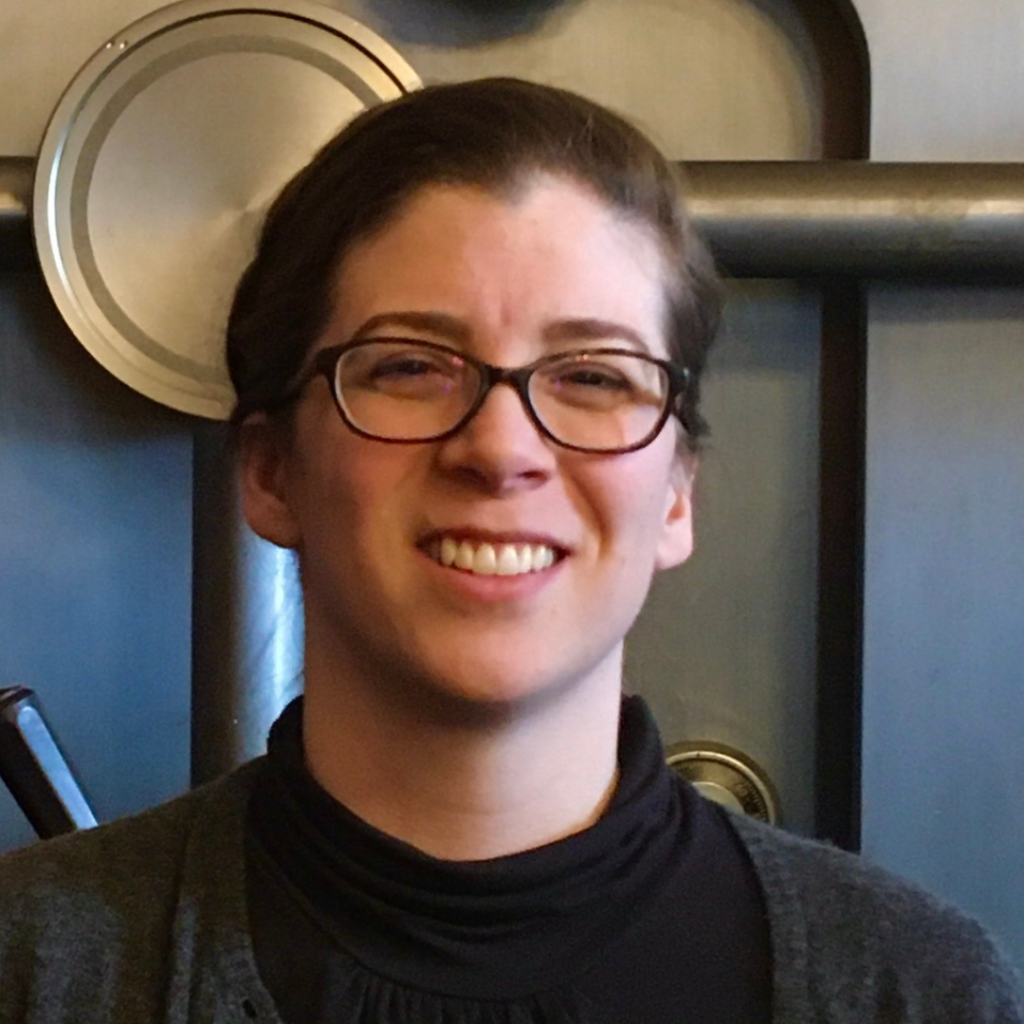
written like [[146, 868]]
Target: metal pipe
[[247, 619], [954, 222], [790, 219]]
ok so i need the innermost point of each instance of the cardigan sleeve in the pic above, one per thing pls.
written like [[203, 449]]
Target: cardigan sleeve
[[86, 923], [134, 922], [854, 943]]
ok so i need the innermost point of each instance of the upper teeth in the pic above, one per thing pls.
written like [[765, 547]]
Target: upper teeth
[[495, 559]]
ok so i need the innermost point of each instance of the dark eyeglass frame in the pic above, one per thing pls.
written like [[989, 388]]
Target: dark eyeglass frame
[[325, 364]]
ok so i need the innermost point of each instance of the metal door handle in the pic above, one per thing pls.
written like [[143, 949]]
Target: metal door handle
[[35, 770]]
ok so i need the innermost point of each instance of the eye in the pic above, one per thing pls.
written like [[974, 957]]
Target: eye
[[592, 375], [402, 369], [601, 382], [590, 381], [399, 366]]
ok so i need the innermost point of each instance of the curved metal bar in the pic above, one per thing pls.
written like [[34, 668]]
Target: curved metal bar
[[954, 222]]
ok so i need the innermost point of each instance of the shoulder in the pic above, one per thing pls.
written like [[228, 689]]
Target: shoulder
[[831, 885], [138, 850], [84, 911], [862, 938]]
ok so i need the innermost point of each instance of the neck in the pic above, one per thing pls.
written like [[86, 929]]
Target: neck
[[465, 783]]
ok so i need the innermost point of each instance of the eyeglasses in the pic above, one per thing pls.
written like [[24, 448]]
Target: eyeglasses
[[403, 391]]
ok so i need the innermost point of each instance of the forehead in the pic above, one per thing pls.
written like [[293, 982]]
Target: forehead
[[549, 249]]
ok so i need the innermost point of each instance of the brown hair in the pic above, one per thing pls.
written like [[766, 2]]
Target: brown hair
[[490, 133]]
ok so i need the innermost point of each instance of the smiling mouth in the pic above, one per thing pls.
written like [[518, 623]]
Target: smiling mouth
[[485, 558]]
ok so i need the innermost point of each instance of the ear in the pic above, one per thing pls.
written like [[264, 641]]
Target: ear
[[676, 542], [263, 472]]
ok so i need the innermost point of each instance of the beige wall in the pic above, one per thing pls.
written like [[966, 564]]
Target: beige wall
[[947, 79]]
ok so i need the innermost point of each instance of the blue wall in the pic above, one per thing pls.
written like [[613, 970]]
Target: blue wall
[[944, 599], [95, 561]]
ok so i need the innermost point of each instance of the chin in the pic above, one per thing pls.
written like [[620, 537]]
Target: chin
[[483, 690]]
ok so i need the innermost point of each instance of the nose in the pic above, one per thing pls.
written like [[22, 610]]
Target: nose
[[500, 450]]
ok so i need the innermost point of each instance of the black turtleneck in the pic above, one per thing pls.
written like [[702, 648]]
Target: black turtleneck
[[652, 914]]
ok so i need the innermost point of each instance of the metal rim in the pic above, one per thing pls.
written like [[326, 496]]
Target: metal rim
[[687, 759], [66, 220]]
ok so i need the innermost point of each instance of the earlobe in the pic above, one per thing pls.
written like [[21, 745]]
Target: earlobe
[[263, 481], [676, 543]]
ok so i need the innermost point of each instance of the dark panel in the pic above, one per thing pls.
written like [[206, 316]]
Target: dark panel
[[840, 563], [95, 561]]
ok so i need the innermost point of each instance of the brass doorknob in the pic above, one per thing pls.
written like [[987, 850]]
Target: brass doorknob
[[727, 776]]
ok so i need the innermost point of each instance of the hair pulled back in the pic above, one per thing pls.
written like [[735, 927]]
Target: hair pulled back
[[489, 133]]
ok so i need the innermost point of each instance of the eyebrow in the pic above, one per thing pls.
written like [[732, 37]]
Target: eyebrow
[[455, 330], [443, 324], [591, 329]]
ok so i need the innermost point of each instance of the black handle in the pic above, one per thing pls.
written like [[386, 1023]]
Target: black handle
[[34, 769]]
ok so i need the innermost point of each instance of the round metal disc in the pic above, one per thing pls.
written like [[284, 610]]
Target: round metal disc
[[727, 776], [160, 160]]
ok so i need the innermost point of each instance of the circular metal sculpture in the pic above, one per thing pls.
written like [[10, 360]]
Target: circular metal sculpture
[[727, 776], [160, 160]]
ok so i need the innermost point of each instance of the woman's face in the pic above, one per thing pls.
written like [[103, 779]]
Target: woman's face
[[507, 280]]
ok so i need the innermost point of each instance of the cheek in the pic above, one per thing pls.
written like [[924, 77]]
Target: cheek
[[354, 498], [328, 483], [630, 498], [344, 554]]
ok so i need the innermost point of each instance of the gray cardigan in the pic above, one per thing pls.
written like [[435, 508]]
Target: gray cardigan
[[144, 921]]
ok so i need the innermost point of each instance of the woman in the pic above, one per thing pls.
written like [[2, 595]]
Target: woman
[[467, 357]]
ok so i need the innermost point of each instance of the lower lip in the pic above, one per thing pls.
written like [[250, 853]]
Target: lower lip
[[496, 588]]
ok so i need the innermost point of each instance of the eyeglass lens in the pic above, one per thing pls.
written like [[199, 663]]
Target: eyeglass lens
[[405, 391]]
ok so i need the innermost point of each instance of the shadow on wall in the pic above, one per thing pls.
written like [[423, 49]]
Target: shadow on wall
[[455, 23]]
